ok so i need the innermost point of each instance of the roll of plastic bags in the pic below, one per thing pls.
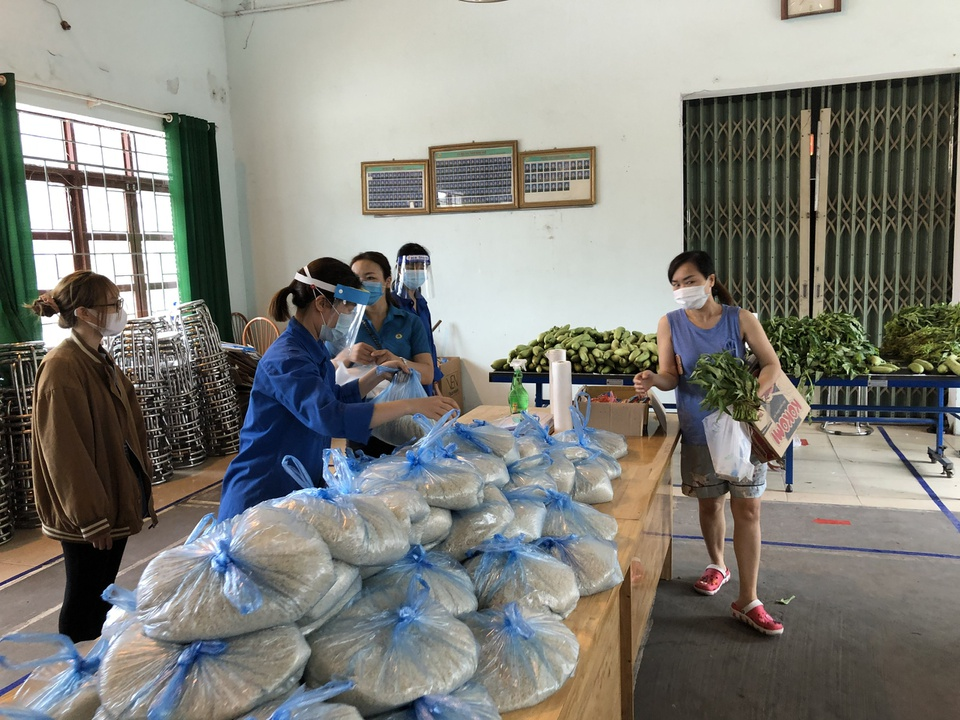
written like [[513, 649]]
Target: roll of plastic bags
[[346, 586], [566, 516], [403, 386], [435, 528], [262, 568], [594, 561], [449, 582], [62, 686], [394, 656], [483, 437], [357, 529], [525, 656], [305, 704], [506, 570], [471, 702], [531, 470], [472, 527], [607, 442], [146, 679], [529, 510]]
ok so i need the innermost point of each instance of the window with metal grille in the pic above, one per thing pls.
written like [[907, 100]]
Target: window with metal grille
[[99, 199]]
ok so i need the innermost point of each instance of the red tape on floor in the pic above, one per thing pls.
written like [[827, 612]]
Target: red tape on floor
[[826, 521]]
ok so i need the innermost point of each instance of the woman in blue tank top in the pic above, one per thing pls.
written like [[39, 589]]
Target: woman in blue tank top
[[704, 325]]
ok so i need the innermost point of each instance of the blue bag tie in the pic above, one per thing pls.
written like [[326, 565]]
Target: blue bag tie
[[120, 597], [166, 702], [238, 587], [83, 667], [303, 699], [514, 624], [500, 544], [468, 434], [298, 472], [207, 522]]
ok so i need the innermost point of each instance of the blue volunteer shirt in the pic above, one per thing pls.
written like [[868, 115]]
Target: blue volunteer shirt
[[423, 312], [401, 333], [296, 407]]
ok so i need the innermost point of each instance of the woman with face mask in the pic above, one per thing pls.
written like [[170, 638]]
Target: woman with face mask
[[296, 407], [413, 284], [91, 470], [704, 325]]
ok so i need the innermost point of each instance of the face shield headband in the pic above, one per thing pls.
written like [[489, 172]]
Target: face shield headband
[[344, 335], [414, 272]]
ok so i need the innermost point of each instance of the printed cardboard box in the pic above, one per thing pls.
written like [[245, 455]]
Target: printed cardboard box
[[626, 418], [781, 415], [450, 385]]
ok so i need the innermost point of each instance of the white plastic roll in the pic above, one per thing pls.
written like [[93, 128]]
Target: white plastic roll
[[561, 395]]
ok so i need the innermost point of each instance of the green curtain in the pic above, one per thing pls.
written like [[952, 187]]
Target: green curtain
[[198, 217], [18, 273]]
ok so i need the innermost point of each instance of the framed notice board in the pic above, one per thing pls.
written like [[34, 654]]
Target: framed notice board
[[395, 187], [474, 176], [558, 178]]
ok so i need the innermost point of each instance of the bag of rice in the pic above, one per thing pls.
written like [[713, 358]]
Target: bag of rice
[[305, 704], [142, 678], [346, 586], [435, 528], [506, 570], [525, 656], [122, 614], [472, 527], [403, 386], [449, 583], [594, 561], [591, 484], [529, 511], [62, 686], [262, 568], [531, 470], [402, 498], [358, 530], [483, 437], [542, 442], [491, 467], [566, 516], [611, 443], [396, 655], [471, 702]]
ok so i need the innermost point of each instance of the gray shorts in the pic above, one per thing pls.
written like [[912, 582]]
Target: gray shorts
[[700, 481]]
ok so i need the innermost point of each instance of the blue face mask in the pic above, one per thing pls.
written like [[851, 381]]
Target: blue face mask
[[375, 289], [413, 279]]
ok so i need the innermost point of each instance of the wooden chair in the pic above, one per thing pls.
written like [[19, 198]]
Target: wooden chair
[[260, 333], [238, 321]]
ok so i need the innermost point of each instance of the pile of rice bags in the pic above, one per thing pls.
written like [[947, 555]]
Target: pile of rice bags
[[470, 702], [474, 526], [611, 443], [529, 512], [482, 437], [303, 704], [566, 516], [532, 470], [594, 561], [525, 656]]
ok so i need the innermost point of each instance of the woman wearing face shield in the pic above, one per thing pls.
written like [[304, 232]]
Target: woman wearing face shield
[[296, 407], [412, 286], [704, 325], [91, 470]]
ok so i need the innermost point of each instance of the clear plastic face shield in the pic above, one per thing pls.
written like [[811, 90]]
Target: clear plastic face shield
[[349, 305], [414, 273]]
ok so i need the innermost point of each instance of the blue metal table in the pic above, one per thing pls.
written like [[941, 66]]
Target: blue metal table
[[541, 379]]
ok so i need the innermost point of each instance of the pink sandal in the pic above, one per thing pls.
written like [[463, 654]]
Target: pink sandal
[[756, 616], [713, 578]]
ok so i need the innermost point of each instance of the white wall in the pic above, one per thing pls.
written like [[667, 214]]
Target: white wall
[[161, 55], [316, 91]]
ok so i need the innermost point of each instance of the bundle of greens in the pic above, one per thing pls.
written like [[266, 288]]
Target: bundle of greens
[[729, 385], [931, 334]]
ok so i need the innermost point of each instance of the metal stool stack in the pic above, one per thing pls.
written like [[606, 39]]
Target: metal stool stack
[[6, 497], [219, 409], [184, 429], [18, 369], [136, 352]]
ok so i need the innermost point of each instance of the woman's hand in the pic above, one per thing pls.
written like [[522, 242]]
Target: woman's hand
[[361, 354], [382, 357], [434, 407], [102, 540], [398, 363], [643, 382]]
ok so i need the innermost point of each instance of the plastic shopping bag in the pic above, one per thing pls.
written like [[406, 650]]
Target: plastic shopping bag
[[470, 702], [729, 444], [305, 704], [403, 386]]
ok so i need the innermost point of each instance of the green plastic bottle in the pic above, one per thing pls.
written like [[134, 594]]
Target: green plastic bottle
[[519, 398]]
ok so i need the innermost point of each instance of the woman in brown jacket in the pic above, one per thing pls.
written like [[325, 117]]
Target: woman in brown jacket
[[91, 471]]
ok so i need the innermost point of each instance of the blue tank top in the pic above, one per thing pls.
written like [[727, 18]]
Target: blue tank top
[[689, 343]]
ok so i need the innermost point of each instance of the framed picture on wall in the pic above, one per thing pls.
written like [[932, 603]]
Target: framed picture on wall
[[395, 187], [563, 177], [474, 176]]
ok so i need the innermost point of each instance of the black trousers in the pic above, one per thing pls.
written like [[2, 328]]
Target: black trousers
[[89, 571]]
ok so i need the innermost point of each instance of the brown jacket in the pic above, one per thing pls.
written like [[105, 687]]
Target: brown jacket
[[91, 470]]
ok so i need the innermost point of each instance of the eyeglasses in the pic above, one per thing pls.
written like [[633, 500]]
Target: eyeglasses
[[116, 304]]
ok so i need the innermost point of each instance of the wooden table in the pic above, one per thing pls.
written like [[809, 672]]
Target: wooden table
[[611, 625]]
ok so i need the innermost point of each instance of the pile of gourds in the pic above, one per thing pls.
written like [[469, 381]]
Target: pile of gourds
[[589, 350]]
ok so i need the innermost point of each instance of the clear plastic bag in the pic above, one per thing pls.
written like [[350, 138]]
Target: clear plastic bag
[[529, 510], [62, 686], [566, 516], [346, 586], [394, 656], [358, 529], [729, 443], [525, 656], [305, 704], [506, 570], [594, 561], [483, 437], [143, 679], [611, 443], [435, 528], [538, 440], [490, 466], [531, 470], [262, 568], [470, 702], [471, 527], [403, 430], [591, 484], [449, 584]]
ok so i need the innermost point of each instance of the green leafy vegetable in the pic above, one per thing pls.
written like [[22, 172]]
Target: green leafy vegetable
[[729, 385], [929, 333]]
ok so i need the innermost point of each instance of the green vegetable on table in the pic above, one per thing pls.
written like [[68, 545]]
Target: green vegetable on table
[[729, 386]]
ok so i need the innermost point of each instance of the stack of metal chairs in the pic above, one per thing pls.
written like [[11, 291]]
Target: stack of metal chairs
[[183, 421], [7, 516], [219, 409], [18, 372]]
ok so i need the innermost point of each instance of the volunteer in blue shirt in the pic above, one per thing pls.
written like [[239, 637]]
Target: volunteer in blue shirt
[[412, 285], [296, 407], [700, 326]]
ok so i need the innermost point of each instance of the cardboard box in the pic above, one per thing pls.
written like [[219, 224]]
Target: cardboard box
[[783, 411], [450, 385], [628, 419]]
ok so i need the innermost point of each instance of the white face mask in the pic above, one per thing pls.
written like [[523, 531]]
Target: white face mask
[[691, 298], [116, 321]]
